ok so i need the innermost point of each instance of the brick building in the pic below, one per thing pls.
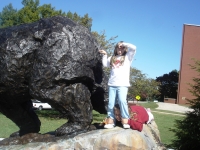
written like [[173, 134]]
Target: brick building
[[190, 49]]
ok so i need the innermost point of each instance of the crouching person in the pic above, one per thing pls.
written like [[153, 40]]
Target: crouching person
[[138, 116]]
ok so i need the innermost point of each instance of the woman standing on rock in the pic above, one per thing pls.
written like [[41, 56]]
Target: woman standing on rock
[[120, 63]]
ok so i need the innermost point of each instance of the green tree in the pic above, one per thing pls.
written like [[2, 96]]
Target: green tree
[[107, 45], [8, 16], [29, 13], [30, 2], [151, 89], [168, 85], [187, 131], [146, 88], [32, 12], [85, 20], [47, 10]]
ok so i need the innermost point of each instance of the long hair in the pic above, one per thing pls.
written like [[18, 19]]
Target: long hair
[[114, 58]]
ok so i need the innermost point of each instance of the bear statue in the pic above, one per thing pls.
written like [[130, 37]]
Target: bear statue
[[54, 60]]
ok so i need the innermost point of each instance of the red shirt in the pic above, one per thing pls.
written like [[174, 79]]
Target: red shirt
[[138, 117]]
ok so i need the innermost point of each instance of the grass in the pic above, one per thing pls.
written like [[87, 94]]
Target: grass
[[48, 124], [164, 123], [164, 120], [7, 126], [51, 120], [97, 117]]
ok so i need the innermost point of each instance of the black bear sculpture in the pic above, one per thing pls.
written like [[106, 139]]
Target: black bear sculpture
[[54, 60]]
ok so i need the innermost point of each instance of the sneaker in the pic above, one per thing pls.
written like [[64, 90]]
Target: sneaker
[[126, 126], [109, 126]]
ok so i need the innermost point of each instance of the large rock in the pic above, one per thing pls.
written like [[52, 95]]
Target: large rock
[[56, 61], [110, 139]]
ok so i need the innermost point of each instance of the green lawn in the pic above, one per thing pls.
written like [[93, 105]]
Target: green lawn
[[48, 124], [51, 120], [164, 121], [7, 126]]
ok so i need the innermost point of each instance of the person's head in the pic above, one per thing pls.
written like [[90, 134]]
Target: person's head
[[120, 49], [117, 112]]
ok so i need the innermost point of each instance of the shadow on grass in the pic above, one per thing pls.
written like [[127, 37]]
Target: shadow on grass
[[52, 114]]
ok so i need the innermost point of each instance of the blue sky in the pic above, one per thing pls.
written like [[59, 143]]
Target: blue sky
[[154, 26]]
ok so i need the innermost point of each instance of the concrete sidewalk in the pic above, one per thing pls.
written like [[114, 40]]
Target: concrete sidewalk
[[172, 107]]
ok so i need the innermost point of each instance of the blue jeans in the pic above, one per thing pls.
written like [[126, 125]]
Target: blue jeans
[[118, 94]]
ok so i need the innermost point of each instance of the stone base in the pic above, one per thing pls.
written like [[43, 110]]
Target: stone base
[[116, 138]]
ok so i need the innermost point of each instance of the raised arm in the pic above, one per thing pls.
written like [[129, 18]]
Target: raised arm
[[105, 60], [131, 50]]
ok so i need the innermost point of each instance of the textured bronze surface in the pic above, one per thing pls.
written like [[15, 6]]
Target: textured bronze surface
[[54, 60]]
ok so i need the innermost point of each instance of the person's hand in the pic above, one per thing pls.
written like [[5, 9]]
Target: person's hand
[[121, 46], [102, 52]]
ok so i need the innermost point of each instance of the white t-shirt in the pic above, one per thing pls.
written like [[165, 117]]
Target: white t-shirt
[[120, 74]]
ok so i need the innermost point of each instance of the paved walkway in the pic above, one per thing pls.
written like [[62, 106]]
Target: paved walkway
[[172, 107]]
